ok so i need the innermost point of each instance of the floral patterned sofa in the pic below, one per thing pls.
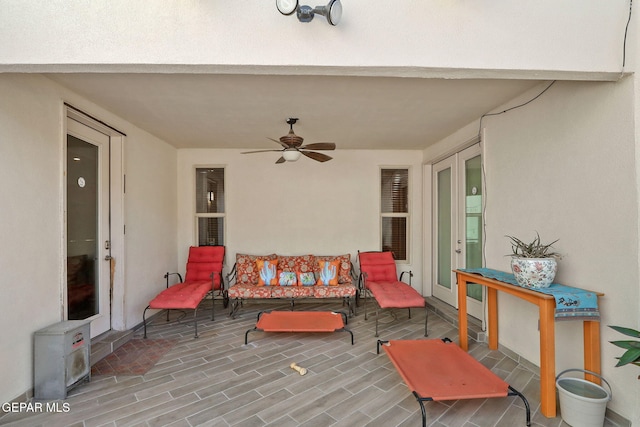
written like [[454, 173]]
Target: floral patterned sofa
[[291, 277]]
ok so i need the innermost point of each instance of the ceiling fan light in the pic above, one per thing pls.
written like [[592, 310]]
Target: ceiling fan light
[[291, 155]]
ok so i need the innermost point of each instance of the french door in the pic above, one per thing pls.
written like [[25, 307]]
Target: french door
[[457, 226], [88, 243]]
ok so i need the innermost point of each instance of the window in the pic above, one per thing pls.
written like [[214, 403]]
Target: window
[[210, 206], [394, 212]]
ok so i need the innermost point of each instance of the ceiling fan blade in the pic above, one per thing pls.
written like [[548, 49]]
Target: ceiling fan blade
[[320, 146], [260, 151], [279, 142], [316, 156], [280, 160]]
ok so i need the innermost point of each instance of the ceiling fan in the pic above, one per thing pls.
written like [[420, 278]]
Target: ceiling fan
[[293, 148]]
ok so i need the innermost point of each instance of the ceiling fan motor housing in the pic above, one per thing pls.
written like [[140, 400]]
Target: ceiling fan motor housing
[[292, 140]]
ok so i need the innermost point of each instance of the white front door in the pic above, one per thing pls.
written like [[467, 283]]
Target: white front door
[[88, 285], [457, 226]]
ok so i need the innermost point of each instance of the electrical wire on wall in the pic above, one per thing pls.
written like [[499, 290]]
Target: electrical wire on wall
[[484, 175], [482, 145], [624, 41]]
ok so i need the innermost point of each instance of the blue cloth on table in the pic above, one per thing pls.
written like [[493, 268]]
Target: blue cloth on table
[[571, 303]]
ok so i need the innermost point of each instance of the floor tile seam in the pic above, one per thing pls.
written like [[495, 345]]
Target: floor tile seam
[[173, 387], [485, 402], [175, 369], [409, 415], [115, 411], [241, 421], [159, 414]]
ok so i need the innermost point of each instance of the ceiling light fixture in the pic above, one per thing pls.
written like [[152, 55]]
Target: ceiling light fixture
[[291, 154], [332, 11]]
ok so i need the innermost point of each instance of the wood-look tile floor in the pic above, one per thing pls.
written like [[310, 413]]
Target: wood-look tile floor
[[217, 380]]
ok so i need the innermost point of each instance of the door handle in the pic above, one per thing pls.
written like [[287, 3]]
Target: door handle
[[458, 251]]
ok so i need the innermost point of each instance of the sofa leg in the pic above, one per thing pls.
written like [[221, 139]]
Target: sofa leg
[[234, 307]]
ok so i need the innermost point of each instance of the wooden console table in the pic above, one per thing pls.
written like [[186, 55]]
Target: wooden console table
[[546, 304]]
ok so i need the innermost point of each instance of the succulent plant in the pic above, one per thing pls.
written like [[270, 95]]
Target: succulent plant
[[534, 249]]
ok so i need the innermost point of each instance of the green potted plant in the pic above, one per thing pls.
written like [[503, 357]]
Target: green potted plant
[[632, 347], [533, 263]]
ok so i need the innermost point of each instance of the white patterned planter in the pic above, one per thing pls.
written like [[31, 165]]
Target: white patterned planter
[[534, 272]]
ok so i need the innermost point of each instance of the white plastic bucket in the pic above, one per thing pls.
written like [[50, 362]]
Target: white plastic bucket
[[582, 403]]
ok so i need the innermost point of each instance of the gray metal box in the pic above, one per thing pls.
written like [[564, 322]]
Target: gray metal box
[[61, 358]]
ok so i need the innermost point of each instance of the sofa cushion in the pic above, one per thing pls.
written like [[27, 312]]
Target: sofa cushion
[[243, 290], [302, 263], [344, 274], [246, 269], [306, 279], [267, 272], [328, 273], [287, 278], [291, 291], [339, 291]]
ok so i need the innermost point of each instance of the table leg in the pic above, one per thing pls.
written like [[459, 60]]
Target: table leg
[[547, 358], [592, 361], [462, 314], [492, 308]]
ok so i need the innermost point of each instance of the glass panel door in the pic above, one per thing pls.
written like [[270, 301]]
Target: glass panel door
[[87, 234], [471, 228], [444, 230], [457, 226]]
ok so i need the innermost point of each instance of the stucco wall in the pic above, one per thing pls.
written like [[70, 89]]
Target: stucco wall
[[437, 36], [565, 166], [302, 207], [30, 141], [31, 219]]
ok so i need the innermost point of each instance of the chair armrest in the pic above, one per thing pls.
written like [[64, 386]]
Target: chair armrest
[[362, 279], [167, 275], [410, 275], [231, 276]]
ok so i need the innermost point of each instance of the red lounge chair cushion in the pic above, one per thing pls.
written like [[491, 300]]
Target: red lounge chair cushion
[[378, 266], [395, 294], [182, 295], [203, 260]]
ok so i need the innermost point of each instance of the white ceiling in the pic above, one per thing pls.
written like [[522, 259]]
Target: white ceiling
[[241, 111]]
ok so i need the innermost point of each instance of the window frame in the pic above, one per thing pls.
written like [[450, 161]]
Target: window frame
[[198, 215], [406, 215]]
